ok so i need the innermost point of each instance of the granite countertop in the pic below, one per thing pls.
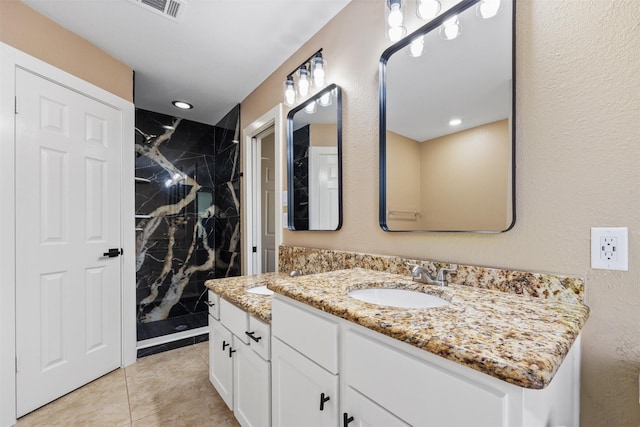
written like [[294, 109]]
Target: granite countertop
[[233, 289], [518, 339]]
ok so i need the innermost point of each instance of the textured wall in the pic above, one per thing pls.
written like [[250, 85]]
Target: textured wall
[[578, 148], [29, 31]]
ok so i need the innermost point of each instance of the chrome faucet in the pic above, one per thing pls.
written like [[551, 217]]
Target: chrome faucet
[[420, 274]]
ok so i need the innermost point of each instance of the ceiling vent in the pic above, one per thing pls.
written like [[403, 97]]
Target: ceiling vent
[[170, 9]]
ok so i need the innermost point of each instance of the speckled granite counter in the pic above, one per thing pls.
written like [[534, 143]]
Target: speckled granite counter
[[233, 289], [519, 339]]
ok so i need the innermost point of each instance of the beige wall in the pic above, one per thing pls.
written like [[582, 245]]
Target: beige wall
[[29, 31], [578, 155], [403, 182], [465, 179], [323, 134]]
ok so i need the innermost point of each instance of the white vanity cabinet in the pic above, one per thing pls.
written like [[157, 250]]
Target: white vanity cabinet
[[239, 367], [385, 382], [304, 367]]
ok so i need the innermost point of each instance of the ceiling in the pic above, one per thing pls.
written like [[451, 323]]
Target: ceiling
[[213, 56]]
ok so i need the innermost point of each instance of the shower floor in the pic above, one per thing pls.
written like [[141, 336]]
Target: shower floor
[[171, 325]]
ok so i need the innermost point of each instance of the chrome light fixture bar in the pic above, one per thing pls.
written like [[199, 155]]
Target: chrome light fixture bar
[[310, 74]]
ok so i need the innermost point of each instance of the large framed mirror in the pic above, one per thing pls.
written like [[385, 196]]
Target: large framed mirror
[[447, 122], [314, 162]]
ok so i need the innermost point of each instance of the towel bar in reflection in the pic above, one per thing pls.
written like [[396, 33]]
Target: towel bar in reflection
[[415, 214]]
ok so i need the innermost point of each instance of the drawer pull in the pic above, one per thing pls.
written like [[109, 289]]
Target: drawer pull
[[211, 304], [346, 419], [251, 335], [231, 351], [225, 345], [323, 400]]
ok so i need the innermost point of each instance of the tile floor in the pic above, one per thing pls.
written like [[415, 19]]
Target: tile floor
[[165, 389]]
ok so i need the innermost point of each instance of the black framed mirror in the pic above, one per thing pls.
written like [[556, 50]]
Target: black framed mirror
[[447, 123], [314, 162]]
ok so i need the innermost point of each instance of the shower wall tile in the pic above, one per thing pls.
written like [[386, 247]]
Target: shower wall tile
[[193, 200]]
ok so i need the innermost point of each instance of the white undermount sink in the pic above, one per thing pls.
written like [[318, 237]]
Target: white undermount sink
[[260, 290], [401, 298]]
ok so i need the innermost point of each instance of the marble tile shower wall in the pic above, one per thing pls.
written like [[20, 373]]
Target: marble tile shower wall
[[301, 143], [187, 215]]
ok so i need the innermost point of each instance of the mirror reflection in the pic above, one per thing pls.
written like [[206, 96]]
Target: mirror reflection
[[447, 118], [314, 154]]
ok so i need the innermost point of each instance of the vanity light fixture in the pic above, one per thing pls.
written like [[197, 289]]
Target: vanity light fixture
[[450, 28], [394, 17], [428, 9], [325, 100], [455, 122], [488, 8], [289, 91], [182, 105], [310, 73], [303, 81], [416, 48], [310, 108], [318, 65]]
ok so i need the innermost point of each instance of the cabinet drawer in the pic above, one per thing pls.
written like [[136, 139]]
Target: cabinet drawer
[[234, 319], [418, 392], [214, 305], [310, 334], [261, 332]]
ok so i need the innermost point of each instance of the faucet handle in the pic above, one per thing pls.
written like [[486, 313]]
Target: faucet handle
[[440, 274]]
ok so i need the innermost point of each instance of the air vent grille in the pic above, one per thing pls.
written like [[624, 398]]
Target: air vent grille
[[171, 9]]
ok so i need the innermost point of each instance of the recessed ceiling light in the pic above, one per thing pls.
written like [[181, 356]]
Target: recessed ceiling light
[[182, 105], [454, 122]]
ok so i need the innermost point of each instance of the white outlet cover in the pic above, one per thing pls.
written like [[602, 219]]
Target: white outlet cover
[[601, 249]]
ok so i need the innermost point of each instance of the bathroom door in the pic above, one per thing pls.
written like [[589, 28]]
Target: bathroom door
[[323, 188], [68, 320]]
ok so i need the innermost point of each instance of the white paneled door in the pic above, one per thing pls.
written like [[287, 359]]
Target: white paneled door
[[68, 320]]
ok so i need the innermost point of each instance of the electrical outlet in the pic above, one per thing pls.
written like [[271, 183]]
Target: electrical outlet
[[609, 248]]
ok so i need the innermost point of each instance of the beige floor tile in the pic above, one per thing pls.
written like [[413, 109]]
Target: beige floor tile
[[203, 349], [204, 409], [174, 382], [102, 402]]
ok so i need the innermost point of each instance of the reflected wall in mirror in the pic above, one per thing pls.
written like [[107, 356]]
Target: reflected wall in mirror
[[314, 159], [447, 125]]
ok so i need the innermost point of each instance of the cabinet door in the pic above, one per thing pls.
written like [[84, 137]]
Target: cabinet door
[[252, 388], [221, 361], [298, 386], [366, 413]]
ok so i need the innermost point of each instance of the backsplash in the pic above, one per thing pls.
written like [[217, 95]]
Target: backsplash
[[540, 285]]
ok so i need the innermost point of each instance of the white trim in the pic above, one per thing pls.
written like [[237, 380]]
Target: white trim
[[273, 118], [10, 58], [166, 339]]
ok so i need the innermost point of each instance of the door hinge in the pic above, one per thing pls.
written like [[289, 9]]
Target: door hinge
[[17, 370], [15, 105]]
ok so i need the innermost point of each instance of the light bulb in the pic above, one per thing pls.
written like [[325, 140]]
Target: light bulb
[[416, 48], [396, 33], [488, 8], [325, 100], [310, 108], [450, 28], [317, 71], [303, 83], [395, 16], [289, 92], [428, 9]]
